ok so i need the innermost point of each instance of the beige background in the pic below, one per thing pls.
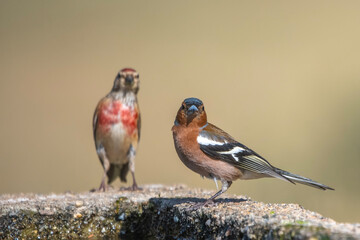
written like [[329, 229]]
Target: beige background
[[283, 77]]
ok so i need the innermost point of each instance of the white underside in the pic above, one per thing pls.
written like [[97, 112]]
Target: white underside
[[116, 145]]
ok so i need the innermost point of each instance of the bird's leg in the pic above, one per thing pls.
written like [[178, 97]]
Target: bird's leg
[[135, 186], [103, 186], [106, 165], [132, 153], [224, 187], [210, 201]]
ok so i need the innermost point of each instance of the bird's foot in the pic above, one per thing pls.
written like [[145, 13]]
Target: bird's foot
[[207, 203], [103, 187], [134, 187], [100, 189]]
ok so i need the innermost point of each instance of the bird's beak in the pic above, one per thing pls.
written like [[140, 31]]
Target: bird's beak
[[129, 79], [192, 109]]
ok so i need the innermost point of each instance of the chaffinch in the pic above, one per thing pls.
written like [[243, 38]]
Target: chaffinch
[[116, 125], [214, 154]]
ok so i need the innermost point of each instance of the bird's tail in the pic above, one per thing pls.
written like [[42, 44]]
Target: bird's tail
[[302, 180]]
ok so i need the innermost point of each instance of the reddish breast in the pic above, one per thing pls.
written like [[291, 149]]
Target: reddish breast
[[109, 113], [129, 118], [113, 112]]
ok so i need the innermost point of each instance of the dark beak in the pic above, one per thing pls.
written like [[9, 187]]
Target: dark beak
[[192, 109], [129, 79]]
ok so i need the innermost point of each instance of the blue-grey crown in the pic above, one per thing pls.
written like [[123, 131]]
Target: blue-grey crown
[[193, 101]]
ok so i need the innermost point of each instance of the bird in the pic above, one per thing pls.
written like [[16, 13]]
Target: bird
[[116, 128], [214, 154]]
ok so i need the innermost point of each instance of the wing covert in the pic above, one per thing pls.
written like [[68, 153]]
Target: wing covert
[[224, 148]]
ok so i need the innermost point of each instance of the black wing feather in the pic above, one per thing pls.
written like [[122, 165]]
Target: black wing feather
[[245, 158]]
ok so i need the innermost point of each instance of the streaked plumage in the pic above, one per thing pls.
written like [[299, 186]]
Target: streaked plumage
[[116, 127], [213, 153]]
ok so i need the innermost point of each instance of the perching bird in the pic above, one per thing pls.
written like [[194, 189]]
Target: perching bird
[[212, 153], [116, 126]]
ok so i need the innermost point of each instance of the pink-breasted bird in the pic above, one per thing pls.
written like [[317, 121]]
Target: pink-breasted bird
[[116, 126], [214, 154]]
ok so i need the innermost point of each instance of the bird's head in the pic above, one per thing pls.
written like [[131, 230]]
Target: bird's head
[[191, 112], [126, 80]]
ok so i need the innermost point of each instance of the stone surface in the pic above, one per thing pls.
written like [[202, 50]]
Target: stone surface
[[160, 212]]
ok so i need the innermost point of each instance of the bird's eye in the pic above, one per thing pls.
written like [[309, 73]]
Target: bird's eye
[[202, 108], [182, 107], [137, 75]]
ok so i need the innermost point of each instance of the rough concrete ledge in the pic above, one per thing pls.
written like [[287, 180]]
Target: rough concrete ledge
[[160, 212]]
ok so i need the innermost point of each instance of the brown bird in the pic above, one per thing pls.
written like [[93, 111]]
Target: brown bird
[[214, 154], [116, 125]]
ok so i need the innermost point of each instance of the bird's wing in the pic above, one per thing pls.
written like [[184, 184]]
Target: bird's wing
[[95, 119], [99, 149], [95, 116], [139, 126], [219, 145]]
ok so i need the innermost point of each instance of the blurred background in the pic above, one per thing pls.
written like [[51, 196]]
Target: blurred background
[[282, 77]]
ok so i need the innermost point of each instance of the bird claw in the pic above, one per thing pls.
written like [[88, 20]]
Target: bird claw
[[134, 187], [103, 187], [207, 203], [97, 190]]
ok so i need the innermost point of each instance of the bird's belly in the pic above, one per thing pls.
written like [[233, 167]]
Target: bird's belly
[[205, 166], [116, 143]]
